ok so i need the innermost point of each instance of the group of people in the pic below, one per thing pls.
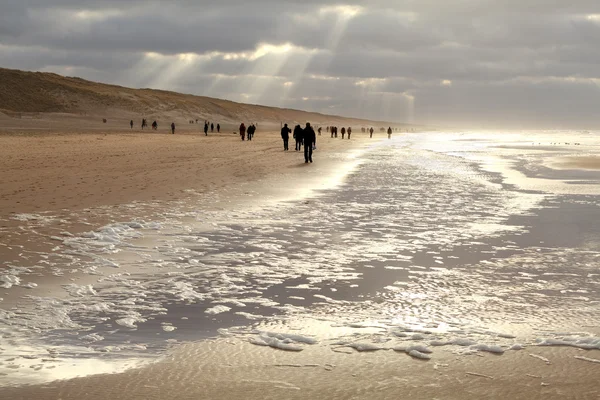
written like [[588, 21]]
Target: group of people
[[212, 128], [155, 126], [304, 137], [334, 131], [249, 131]]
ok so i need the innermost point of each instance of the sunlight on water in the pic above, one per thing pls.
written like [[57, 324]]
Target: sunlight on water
[[427, 243]]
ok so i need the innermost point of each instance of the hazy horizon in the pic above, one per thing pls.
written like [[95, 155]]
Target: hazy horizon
[[480, 64]]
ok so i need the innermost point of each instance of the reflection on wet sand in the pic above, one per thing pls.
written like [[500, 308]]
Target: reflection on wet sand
[[422, 253]]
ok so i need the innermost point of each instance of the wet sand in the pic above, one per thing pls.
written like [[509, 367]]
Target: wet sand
[[232, 368], [584, 162], [236, 369]]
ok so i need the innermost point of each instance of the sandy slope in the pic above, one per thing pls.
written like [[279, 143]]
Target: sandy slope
[[24, 95]]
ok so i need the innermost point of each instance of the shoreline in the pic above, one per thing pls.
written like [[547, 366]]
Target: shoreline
[[27, 231], [221, 368], [231, 367]]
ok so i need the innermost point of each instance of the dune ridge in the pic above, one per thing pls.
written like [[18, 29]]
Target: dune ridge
[[26, 94]]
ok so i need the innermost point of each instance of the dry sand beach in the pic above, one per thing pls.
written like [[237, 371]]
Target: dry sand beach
[[144, 265]]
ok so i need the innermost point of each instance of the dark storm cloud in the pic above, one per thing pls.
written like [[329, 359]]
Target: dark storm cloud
[[432, 61]]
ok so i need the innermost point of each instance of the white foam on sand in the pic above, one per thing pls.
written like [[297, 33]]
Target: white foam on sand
[[282, 341], [219, 309]]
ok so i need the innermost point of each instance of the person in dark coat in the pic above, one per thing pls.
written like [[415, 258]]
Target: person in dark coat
[[131, 124], [349, 132], [298, 133], [212, 127], [218, 128], [310, 139], [285, 135], [371, 132], [243, 131], [205, 128], [389, 132], [343, 132], [173, 128]]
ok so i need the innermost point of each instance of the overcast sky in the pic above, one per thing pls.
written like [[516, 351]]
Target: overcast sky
[[484, 63]]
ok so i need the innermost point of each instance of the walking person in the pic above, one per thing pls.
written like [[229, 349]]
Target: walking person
[[349, 132], [319, 131], [343, 132], [298, 137], [218, 128], [285, 135], [131, 124], [173, 128], [331, 130], [243, 131], [212, 127], [335, 130], [310, 140], [389, 132], [371, 132], [205, 128]]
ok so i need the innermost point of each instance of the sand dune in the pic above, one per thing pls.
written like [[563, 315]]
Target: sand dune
[[27, 95]]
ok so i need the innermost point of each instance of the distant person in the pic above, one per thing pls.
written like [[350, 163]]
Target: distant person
[[310, 140], [173, 128], [335, 130], [154, 125], [251, 129], [131, 124], [205, 128], [243, 131], [218, 128], [212, 127], [343, 132], [389, 132], [144, 124], [319, 131], [349, 132], [285, 135], [371, 132], [331, 131], [298, 137]]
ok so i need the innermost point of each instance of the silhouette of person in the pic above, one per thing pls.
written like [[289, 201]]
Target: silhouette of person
[[173, 128], [285, 135], [371, 132], [310, 139], [131, 124], [319, 131], [298, 133], [343, 132], [218, 128], [389, 132], [212, 127], [243, 131], [349, 132], [205, 128]]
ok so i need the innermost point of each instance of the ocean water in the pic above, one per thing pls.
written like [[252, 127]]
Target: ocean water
[[459, 242]]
